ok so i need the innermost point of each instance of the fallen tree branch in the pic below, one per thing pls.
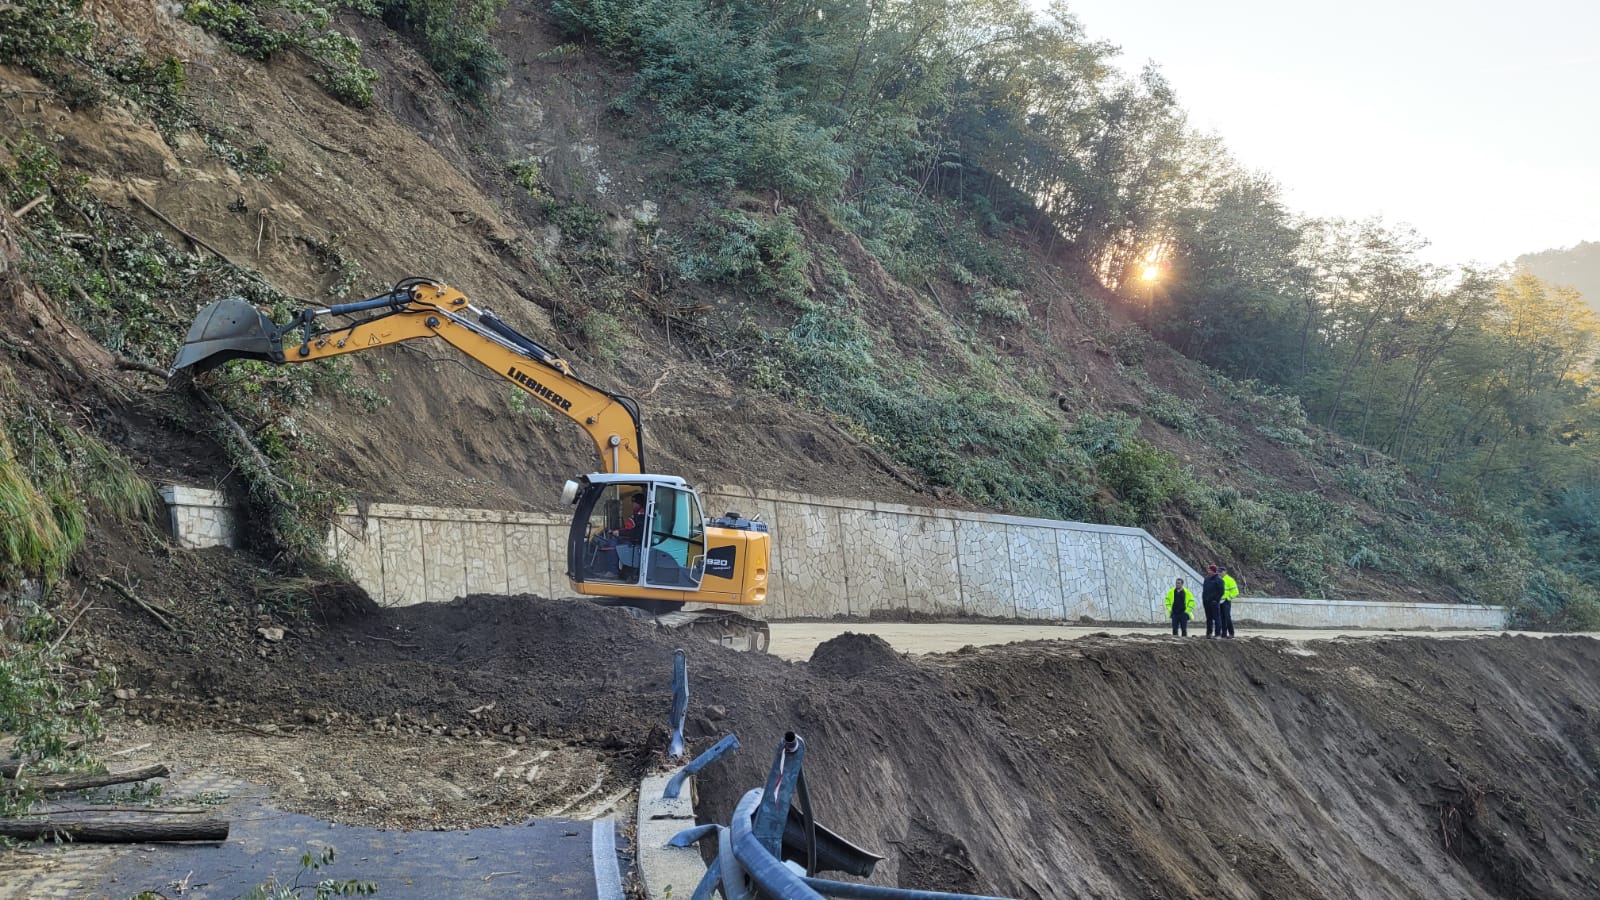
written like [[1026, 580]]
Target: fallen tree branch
[[136, 366], [248, 447], [176, 227], [251, 729], [127, 592], [55, 784], [28, 207], [86, 607], [114, 831], [10, 767], [882, 461], [374, 637]]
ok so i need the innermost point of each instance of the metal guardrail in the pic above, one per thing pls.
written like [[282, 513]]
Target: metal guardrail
[[762, 856], [772, 850], [675, 783]]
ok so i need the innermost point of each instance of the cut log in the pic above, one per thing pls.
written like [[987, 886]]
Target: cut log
[[114, 830], [55, 784]]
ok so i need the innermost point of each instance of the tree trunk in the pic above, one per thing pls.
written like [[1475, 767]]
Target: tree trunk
[[109, 830], [55, 784]]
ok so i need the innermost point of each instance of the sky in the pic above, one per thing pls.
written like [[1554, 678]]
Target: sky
[[1476, 123]]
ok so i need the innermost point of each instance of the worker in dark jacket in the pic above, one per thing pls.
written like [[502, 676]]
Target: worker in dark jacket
[[1230, 590], [1180, 605], [1211, 598]]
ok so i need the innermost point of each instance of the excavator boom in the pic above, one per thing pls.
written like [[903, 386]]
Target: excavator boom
[[233, 329]]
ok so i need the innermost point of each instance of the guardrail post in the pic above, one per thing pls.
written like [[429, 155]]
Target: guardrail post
[[680, 701], [773, 813]]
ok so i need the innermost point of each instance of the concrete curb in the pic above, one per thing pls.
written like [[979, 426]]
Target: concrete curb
[[666, 871]]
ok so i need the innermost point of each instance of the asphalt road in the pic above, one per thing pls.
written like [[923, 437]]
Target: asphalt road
[[796, 640]]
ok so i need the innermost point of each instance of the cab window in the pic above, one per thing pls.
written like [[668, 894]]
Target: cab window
[[609, 534], [677, 542]]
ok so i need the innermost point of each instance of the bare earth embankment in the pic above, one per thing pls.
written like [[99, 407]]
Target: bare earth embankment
[[1105, 766]]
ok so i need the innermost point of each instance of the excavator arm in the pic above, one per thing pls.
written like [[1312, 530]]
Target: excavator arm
[[416, 309]]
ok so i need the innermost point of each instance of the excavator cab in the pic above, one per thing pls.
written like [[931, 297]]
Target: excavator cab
[[645, 537], [638, 530]]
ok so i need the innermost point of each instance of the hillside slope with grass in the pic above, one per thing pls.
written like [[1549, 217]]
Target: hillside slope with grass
[[815, 272]]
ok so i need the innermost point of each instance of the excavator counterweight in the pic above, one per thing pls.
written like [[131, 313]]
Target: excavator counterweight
[[639, 539]]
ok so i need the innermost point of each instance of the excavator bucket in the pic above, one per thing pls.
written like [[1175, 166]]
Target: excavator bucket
[[228, 329]]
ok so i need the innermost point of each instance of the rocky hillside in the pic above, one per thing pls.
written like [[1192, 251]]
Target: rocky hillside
[[159, 156]]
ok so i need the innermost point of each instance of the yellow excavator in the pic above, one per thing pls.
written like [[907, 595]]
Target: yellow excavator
[[638, 540]]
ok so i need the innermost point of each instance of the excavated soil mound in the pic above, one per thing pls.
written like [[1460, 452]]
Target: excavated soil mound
[[1409, 767], [851, 654]]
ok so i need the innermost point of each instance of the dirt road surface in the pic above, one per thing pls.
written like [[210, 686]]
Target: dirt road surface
[[796, 640]]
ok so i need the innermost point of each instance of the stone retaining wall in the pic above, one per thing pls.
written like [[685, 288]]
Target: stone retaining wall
[[199, 518], [846, 558]]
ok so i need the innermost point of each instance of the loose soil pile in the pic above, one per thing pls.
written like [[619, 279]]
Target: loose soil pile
[[1103, 767]]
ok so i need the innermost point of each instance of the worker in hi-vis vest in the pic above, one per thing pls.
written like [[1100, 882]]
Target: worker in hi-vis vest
[[1230, 590], [1180, 605]]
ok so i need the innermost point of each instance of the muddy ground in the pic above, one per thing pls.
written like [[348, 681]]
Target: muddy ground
[[1108, 766]]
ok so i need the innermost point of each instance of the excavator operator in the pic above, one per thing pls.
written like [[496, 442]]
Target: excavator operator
[[629, 539]]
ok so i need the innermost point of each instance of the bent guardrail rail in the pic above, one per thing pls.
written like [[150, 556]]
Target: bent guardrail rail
[[772, 851]]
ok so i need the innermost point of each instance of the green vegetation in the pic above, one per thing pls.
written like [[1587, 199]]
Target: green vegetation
[[53, 478], [1001, 304], [261, 28], [41, 704], [136, 293], [932, 130], [608, 337], [520, 406], [454, 37], [765, 253], [992, 449], [529, 175]]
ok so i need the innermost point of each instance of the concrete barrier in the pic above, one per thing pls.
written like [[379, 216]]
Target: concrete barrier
[[833, 558], [1367, 614]]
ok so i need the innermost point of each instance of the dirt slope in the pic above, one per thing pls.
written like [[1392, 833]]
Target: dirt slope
[[415, 186], [1105, 767]]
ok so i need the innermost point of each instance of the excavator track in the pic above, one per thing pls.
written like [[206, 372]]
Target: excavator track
[[727, 629]]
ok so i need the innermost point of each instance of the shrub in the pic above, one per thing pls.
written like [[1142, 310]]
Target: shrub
[[606, 335], [454, 37], [1001, 304], [1172, 411], [529, 175], [40, 33], [1143, 477], [738, 247]]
